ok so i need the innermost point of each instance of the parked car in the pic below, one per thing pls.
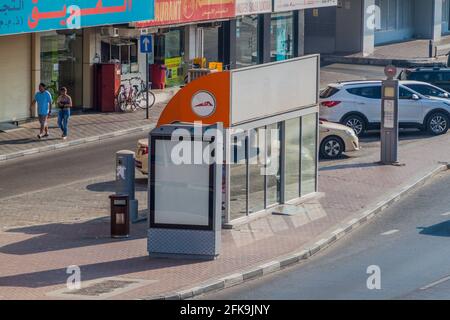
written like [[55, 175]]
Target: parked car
[[334, 139], [142, 156], [426, 89], [439, 77], [357, 104]]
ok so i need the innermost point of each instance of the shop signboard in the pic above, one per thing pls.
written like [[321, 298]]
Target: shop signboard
[[246, 7], [174, 74], [288, 5], [170, 12], [20, 16]]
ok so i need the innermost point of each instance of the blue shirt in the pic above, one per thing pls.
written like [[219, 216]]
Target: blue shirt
[[43, 99]]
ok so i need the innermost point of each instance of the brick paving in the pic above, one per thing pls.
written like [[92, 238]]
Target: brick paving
[[34, 258], [82, 125]]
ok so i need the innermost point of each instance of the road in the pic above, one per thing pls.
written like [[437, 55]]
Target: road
[[43, 171], [409, 242], [345, 72]]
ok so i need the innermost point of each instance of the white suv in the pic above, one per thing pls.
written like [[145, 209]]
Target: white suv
[[357, 104]]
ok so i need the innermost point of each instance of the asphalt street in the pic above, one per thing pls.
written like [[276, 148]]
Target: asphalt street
[[55, 168], [409, 243]]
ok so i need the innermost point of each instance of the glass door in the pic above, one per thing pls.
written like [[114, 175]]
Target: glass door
[[61, 63]]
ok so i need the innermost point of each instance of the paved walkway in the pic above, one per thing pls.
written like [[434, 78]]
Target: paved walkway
[[83, 128], [34, 258], [402, 53]]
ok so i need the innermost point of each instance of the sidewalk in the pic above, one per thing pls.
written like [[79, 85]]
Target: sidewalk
[[83, 128], [412, 53], [34, 258]]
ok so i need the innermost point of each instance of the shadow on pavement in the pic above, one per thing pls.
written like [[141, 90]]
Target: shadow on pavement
[[350, 165], [438, 230], [26, 140], [61, 236], [93, 271], [110, 186]]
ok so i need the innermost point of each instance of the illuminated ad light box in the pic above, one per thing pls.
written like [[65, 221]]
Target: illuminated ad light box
[[185, 191], [20, 16]]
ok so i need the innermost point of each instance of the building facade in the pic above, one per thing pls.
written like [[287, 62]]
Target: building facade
[[360, 25], [54, 47]]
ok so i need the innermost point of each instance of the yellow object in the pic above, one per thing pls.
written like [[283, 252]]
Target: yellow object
[[216, 66], [201, 62]]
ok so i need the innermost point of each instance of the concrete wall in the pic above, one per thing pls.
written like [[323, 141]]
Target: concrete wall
[[349, 26], [15, 89]]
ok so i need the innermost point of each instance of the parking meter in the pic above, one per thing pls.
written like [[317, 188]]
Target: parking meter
[[389, 117]]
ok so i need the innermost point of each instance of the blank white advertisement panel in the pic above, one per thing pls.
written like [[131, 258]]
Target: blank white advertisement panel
[[181, 191], [287, 5], [271, 89]]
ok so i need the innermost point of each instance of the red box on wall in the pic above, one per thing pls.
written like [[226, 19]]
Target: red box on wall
[[107, 80]]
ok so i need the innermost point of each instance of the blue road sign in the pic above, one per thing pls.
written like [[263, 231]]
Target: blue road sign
[[146, 44]]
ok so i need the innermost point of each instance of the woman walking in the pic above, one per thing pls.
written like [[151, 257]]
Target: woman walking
[[64, 103]]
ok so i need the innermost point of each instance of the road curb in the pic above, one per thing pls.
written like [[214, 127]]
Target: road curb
[[401, 63], [76, 142], [284, 261]]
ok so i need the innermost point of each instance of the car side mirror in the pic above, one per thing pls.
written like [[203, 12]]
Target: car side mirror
[[415, 97]]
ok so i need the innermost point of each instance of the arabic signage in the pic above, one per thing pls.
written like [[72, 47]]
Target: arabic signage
[[19, 16], [246, 7], [182, 11], [287, 5]]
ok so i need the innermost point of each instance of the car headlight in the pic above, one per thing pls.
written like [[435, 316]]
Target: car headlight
[[350, 132]]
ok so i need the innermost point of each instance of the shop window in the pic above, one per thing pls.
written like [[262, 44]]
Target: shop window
[[246, 41], [282, 36], [211, 44], [124, 51], [308, 154], [61, 63]]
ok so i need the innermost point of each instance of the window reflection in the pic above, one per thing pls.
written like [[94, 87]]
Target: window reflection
[[292, 161], [309, 141], [238, 177], [256, 169], [273, 172]]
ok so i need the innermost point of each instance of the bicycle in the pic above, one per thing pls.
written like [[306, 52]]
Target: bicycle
[[141, 96], [134, 97]]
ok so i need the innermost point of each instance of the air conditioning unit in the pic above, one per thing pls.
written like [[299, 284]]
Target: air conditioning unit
[[109, 32]]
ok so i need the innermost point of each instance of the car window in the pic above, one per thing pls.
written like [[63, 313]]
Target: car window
[[405, 93], [426, 90], [328, 92], [371, 92]]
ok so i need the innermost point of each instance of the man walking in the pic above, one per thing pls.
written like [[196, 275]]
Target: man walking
[[44, 101]]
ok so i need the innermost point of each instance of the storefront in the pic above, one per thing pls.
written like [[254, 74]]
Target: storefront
[[62, 62], [396, 21], [445, 17], [282, 38], [185, 31], [41, 41]]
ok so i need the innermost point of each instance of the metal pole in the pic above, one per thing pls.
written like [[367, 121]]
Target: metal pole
[[147, 116]]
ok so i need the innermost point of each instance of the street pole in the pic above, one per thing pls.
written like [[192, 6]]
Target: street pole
[[389, 117], [147, 116]]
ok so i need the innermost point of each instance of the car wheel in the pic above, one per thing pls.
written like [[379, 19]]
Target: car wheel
[[331, 148], [355, 122], [438, 123]]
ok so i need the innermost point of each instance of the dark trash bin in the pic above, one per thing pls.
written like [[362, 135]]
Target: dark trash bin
[[120, 217]]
